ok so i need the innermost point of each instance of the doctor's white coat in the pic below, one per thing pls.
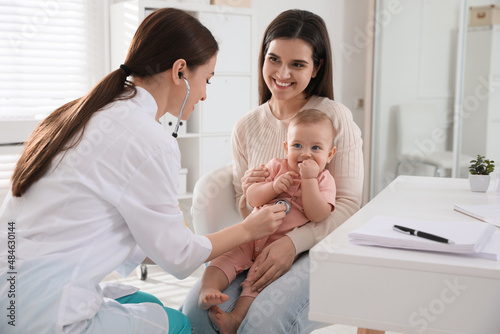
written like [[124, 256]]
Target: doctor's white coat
[[101, 201]]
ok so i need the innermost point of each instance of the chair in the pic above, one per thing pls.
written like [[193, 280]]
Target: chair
[[214, 207], [422, 134], [214, 199]]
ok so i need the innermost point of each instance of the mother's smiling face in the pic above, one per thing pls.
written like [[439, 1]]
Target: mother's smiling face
[[288, 68]]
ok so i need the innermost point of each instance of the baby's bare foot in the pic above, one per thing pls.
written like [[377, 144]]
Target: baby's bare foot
[[226, 323], [210, 297]]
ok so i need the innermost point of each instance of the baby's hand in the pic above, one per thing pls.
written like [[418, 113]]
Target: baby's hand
[[309, 169], [283, 182]]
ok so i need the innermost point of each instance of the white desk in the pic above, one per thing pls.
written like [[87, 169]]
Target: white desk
[[403, 290]]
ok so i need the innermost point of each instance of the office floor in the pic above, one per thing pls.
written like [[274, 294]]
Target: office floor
[[172, 291]]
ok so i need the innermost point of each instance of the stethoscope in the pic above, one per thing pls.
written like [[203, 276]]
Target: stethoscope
[[174, 134], [285, 202]]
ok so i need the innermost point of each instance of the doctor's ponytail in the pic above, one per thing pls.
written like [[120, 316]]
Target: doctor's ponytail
[[164, 36]]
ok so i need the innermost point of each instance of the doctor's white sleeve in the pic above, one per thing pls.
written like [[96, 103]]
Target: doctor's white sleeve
[[150, 208]]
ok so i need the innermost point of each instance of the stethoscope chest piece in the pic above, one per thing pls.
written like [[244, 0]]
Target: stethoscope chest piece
[[285, 203]]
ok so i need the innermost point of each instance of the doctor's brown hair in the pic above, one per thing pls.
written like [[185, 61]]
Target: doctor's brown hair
[[311, 28], [163, 37]]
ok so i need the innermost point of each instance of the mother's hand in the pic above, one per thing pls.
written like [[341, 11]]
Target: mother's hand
[[274, 261], [254, 175]]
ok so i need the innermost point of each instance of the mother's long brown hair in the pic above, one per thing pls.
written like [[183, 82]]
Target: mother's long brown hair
[[309, 27], [163, 37]]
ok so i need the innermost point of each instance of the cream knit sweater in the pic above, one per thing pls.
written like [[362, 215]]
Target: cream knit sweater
[[258, 137]]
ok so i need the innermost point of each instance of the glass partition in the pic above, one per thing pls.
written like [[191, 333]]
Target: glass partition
[[425, 57]]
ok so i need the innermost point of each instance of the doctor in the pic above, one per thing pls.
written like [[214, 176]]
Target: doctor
[[97, 183]]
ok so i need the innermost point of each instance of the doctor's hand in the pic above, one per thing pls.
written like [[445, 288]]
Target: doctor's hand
[[274, 261], [255, 226], [265, 221], [254, 175]]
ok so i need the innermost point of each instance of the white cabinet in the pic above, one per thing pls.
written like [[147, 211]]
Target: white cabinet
[[481, 100], [227, 100], [205, 141], [230, 30], [215, 152]]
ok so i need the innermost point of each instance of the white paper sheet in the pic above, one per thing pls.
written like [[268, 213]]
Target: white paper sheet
[[468, 237]]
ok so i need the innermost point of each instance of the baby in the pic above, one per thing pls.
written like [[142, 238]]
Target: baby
[[307, 189]]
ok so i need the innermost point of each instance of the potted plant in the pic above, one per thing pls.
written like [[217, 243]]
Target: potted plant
[[480, 170]]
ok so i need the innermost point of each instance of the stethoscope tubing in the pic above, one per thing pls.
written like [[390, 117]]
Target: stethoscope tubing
[[174, 134]]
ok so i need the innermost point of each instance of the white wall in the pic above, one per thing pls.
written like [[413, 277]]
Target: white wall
[[477, 3], [351, 52]]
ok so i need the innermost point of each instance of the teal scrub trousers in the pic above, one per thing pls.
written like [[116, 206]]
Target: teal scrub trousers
[[178, 323]]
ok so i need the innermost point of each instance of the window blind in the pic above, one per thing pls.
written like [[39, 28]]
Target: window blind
[[45, 52]]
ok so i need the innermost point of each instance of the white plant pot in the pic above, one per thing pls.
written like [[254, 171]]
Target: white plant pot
[[479, 183]]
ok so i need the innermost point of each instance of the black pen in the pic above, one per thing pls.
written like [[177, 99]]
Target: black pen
[[407, 230]]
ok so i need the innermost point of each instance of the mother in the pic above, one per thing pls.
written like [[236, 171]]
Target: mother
[[295, 64]]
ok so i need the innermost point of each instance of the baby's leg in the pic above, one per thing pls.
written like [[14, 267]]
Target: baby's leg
[[213, 282], [228, 323]]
